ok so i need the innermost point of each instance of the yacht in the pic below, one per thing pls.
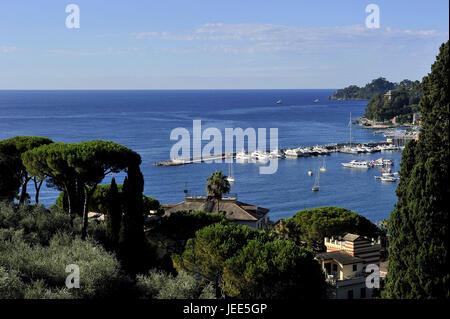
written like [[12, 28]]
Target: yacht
[[349, 150], [316, 101], [388, 178], [242, 155], [260, 156], [310, 172], [293, 153], [357, 164], [276, 154], [279, 102]]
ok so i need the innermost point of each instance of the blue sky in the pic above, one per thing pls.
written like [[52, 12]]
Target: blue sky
[[246, 44]]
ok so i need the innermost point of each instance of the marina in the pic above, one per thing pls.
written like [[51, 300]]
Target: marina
[[298, 152]]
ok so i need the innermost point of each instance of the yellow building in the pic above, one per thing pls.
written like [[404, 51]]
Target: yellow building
[[344, 265]]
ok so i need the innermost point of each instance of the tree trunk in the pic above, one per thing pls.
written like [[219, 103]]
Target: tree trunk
[[23, 194], [69, 202], [87, 196], [85, 216], [37, 186]]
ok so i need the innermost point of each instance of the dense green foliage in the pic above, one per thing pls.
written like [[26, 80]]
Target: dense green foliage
[[310, 226], [186, 225], [160, 285], [78, 168], [277, 269], [353, 92], [206, 253], [98, 202], [13, 174], [419, 224], [403, 103], [244, 262]]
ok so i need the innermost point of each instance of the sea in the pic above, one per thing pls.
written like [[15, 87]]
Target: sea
[[144, 120]]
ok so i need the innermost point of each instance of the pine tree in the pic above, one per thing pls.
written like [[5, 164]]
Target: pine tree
[[418, 227], [114, 214]]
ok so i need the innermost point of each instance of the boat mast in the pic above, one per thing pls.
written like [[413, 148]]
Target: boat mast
[[350, 124]]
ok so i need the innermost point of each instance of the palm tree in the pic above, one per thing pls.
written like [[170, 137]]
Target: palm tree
[[217, 186]]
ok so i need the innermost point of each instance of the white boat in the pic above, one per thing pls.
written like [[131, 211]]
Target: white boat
[[378, 162], [279, 102], [310, 172], [230, 177], [316, 101], [349, 150], [388, 179], [316, 186], [293, 153], [323, 168], [357, 164], [242, 155], [276, 154], [260, 156]]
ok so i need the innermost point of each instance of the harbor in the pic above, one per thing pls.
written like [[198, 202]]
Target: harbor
[[296, 152]]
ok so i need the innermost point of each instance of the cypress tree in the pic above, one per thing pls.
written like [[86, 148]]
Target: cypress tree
[[132, 240], [418, 227], [114, 215]]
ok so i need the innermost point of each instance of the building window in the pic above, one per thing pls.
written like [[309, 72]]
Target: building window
[[350, 294], [363, 292], [334, 267], [355, 267]]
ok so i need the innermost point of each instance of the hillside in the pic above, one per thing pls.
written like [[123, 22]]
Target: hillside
[[377, 86]]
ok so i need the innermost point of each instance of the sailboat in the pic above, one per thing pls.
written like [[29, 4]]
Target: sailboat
[[349, 149], [323, 168], [310, 172], [230, 177], [316, 187]]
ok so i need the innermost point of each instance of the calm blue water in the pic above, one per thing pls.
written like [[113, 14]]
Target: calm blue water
[[143, 120]]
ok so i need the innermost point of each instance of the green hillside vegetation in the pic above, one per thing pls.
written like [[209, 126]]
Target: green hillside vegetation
[[354, 92], [403, 103]]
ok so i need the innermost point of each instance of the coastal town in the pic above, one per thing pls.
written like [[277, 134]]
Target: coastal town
[[224, 159]]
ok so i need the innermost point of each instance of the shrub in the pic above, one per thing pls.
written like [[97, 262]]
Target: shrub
[[11, 286], [99, 270], [160, 285]]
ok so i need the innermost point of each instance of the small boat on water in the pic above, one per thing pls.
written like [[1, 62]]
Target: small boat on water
[[316, 101], [279, 102], [323, 168], [310, 172], [357, 164], [230, 177], [388, 179], [316, 186]]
